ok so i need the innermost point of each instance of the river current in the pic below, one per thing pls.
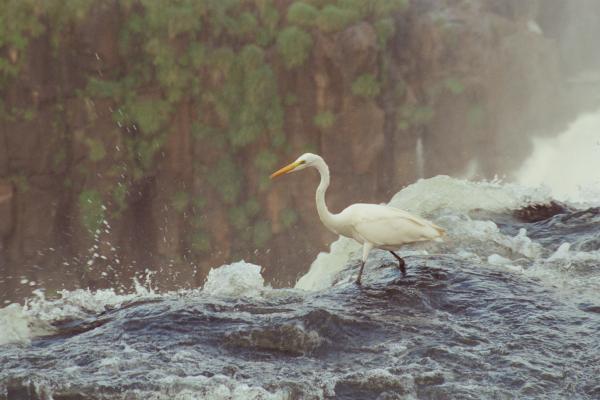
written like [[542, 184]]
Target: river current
[[506, 307]]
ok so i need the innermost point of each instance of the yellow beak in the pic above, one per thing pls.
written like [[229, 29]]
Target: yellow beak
[[285, 170]]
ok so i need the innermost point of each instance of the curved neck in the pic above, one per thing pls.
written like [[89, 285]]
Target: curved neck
[[326, 216]]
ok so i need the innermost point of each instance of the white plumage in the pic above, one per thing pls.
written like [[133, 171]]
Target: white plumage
[[372, 225]]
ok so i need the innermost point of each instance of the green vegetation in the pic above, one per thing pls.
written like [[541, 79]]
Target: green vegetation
[[288, 217], [91, 210], [96, 147], [261, 233], [385, 29], [414, 116], [366, 86], [333, 19], [383, 8], [180, 201], [454, 86], [302, 14], [226, 180], [476, 115], [119, 197], [294, 45], [324, 119], [21, 182]]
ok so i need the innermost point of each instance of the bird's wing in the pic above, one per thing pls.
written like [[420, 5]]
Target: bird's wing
[[388, 226]]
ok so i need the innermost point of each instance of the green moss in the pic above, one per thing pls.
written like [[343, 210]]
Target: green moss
[[385, 29], [91, 210], [288, 217], [454, 86], [96, 148], [226, 179], [197, 54], [238, 218], [360, 7], [241, 26], [302, 14], [198, 204], [269, 20], [383, 8], [324, 119], [59, 157], [294, 45], [476, 115], [334, 19], [261, 233], [366, 86], [149, 114], [423, 115], [265, 161], [119, 197], [290, 100], [412, 116], [252, 57], [202, 131], [21, 182], [180, 201], [252, 207], [201, 242]]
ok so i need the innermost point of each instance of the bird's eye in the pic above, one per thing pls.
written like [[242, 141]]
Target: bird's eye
[[302, 162]]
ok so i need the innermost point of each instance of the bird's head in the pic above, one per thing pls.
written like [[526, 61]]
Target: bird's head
[[305, 160]]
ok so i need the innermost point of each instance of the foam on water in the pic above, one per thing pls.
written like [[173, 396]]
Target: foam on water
[[447, 202], [209, 388], [21, 323]]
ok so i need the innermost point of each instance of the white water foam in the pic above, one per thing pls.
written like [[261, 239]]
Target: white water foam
[[448, 200], [214, 388], [569, 164], [240, 279], [427, 196], [21, 323]]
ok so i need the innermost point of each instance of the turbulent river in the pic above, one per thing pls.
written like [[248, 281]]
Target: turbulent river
[[506, 307]]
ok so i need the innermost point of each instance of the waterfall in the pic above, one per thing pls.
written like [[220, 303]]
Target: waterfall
[[420, 158], [569, 164]]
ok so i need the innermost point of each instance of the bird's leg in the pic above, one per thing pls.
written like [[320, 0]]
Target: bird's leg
[[401, 263], [362, 265], [366, 249]]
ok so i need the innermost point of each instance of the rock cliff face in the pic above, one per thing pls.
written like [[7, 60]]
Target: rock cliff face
[[139, 135]]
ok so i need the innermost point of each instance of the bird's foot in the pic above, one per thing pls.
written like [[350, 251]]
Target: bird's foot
[[401, 263], [402, 269]]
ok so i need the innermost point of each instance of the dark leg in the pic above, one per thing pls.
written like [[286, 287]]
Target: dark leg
[[401, 263], [360, 273]]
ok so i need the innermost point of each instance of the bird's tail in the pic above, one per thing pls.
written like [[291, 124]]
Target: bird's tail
[[441, 231]]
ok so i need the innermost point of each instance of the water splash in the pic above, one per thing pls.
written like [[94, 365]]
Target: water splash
[[240, 279]]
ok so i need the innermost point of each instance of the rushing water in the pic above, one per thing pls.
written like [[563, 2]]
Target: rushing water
[[506, 307]]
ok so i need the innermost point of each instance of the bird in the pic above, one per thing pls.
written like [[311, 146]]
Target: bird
[[372, 225]]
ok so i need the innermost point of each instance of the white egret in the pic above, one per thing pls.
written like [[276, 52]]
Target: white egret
[[372, 225]]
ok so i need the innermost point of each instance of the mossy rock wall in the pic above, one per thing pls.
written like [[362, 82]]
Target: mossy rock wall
[[139, 135]]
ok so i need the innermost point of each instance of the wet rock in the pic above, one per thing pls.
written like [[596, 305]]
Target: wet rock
[[540, 212]]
